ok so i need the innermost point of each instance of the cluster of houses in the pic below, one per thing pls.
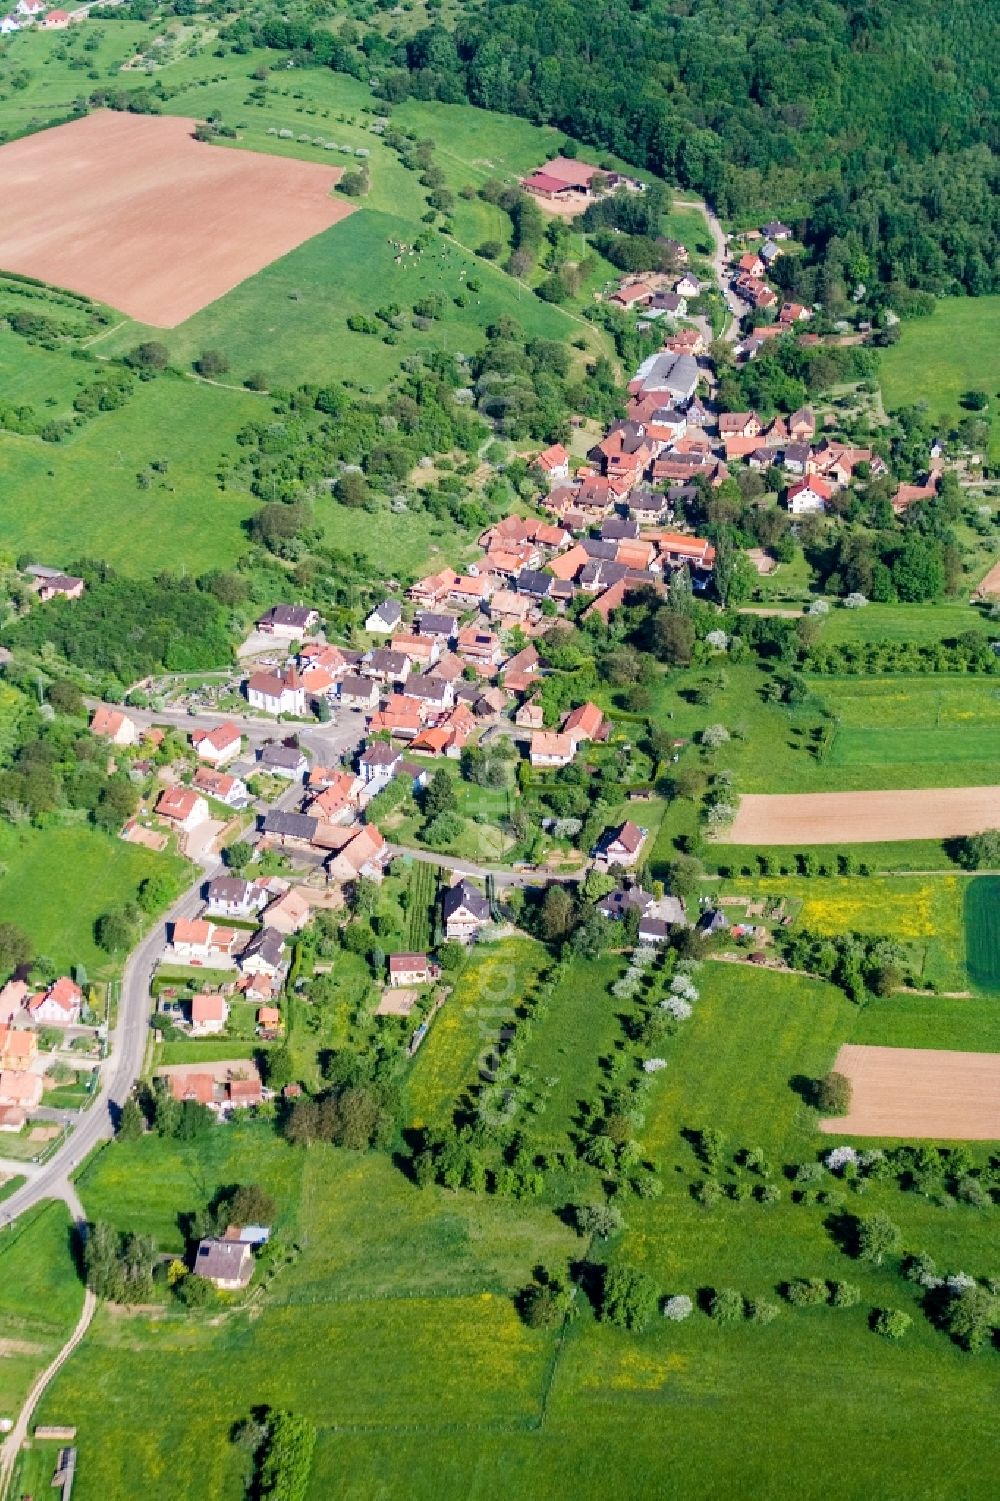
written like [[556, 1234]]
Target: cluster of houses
[[658, 296], [35, 13], [22, 1070]]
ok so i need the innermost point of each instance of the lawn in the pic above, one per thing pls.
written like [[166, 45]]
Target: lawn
[[40, 1298], [938, 359], [982, 931], [947, 729], [922, 623], [83, 498], [56, 882]]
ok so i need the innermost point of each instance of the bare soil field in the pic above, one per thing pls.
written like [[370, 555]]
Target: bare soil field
[[133, 211], [919, 1092], [990, 586], [864, 817]]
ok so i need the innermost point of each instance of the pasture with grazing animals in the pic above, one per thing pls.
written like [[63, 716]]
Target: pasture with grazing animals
[[919, 1092], [133, 211]]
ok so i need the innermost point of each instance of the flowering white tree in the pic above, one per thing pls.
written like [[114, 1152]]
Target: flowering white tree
[[674, 1006], [819, 607], [681, 985], [855, 602], [654, 1065], [840, 1158], [678, 1307], [714, 735], [717, 640]]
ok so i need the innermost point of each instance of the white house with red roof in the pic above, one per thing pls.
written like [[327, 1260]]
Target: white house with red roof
[[114, 725], [218, 745], [553, 462], [808, 496], [184, 808], [277, 692], [59, 1006]]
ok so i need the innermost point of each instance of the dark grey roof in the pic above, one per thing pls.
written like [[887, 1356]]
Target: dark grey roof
[[430, 688], [616, 904], [596, 548], [289, 825], [354, 686], [292, 615], [654, 928], [379, 753], [391, 662], [269, 944], [431, 624], [468, 897], [229, 889], [682, 492], [389, 610], [288, 757], [532, 581], [615, 529]]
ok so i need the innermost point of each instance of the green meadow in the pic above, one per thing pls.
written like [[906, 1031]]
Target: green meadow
[[937, 359], [392, 1324], [55, 883], [982, 931], [40, 1298]]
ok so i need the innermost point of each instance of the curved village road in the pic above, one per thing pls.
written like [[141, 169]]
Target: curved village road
[[120, 1070], [720, 264]]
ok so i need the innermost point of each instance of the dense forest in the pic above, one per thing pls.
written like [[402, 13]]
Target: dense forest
[[871, 127]]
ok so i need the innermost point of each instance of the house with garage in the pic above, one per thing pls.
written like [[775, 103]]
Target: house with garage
[[197, 942], [379, 762]]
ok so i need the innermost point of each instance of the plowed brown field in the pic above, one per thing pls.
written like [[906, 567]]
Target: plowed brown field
[[919, 1092], [133, 211], [864, 817]]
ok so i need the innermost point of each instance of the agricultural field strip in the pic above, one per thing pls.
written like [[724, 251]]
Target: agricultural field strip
[[919, 1092], [832, 818]]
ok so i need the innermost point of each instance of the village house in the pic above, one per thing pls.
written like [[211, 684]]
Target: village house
[[269, 1023], [529, 716], [224, 788], [808, 496], [55, 585], [435, 623], [584, 723], [478, 644], [422, 651], [227, 1264], [21, 1090], [364, 855], [289, 913], [552, 749], [56, 20], [621, 846], [688, 285], [385, 618], [232, 896], [465, 910], [18, 1048], [287, 761], [775, 230], [219, 745], [9, 24], [198, 942], [677, 549], [802, 425], [385, 666], [411, 969], [379, 762], [434, 695], [264, 953], [209, 1014], [666, 305], [183, 807], [14, 996], [294, 829], [553, 462], [287, 622], [432, 590], [58, 1006], [114, 725], [632, 294]]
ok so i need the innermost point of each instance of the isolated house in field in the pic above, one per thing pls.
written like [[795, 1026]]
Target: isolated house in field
[[184, 808], [218, 745], [385, 618], [114, 725], [59, 1006], [621, 846], [562, 180], [465, 910], [227, 1264], [279, 692], [209, 1014], [287, 622]]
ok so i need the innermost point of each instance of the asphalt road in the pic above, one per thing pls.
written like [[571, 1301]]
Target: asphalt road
[[53, 1180]]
